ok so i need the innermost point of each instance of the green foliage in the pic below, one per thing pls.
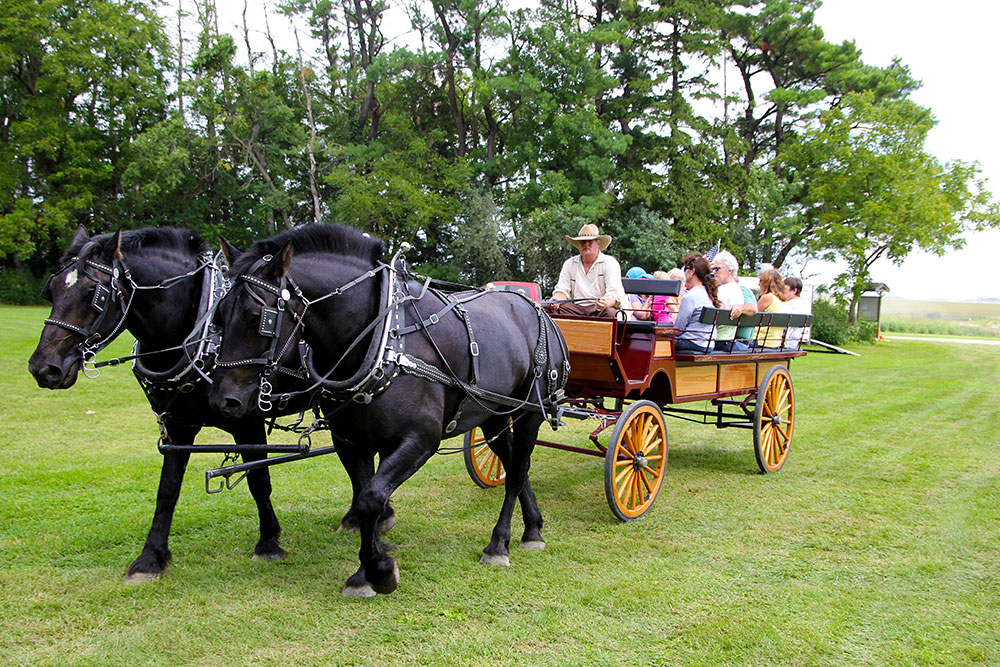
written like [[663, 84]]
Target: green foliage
[[77, 82], [479, 235], [974, 329], [643, 238], [19, 288], [831, 324], [483, 147], [870, 190]]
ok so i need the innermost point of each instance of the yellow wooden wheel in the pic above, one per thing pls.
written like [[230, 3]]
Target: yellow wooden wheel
[[636, 460], [483, 465], [774, 419]]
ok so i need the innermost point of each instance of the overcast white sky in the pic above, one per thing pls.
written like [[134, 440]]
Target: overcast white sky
[[948, 46]]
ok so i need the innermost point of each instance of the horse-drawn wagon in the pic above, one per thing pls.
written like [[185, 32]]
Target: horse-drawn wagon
[[313, 318], [628, 375]]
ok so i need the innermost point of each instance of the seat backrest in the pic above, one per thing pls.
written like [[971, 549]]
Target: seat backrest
[[723, 317], [775, 320], [640, 326], [798, 319], [651, 286]]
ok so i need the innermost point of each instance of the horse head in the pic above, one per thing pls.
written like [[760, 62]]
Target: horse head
[[279, 286], [88, 299], [260, 329]]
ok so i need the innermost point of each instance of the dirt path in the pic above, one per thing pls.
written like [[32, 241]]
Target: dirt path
[[974, 341]]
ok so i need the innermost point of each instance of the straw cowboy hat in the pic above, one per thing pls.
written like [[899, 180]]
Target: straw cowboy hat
[[589, 232]]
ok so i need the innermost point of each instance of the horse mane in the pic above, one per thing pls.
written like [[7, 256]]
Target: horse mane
[[163, 238], [338, 239]]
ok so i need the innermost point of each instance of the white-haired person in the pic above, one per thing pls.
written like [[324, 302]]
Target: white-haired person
[[590, 283], [739, 300]]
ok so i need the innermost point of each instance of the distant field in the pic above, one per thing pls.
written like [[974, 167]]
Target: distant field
[[979, 319]]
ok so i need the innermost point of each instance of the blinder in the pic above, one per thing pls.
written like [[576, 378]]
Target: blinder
[[268, 322], [47, 289], [100, 300]]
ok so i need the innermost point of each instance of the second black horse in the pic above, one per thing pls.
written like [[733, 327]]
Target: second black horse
[[397, 367]]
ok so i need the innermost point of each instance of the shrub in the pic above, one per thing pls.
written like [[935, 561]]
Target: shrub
[[20, 289], [830, 325], [829, 322]]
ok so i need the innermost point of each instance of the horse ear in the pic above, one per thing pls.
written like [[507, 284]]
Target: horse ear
[[286, 258], [229, 251], [113, 249], [80, 237]]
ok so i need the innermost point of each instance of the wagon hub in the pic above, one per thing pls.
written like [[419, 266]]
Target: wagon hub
[[776, 419], [640, 462]]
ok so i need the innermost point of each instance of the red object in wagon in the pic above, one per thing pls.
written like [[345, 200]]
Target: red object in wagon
[[530, 290]]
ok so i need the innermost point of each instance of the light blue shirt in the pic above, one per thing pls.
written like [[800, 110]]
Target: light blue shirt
[[689, 314]]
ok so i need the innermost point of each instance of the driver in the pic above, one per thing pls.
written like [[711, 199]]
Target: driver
[[591, 279]]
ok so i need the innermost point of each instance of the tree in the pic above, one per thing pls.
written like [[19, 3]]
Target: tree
[[870, 190], [78, 82]]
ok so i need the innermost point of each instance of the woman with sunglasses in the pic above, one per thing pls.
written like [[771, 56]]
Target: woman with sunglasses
[[702, 292]]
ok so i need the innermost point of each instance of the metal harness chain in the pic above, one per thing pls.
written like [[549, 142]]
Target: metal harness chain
[[270, 361], [376, 379], [93, 340]]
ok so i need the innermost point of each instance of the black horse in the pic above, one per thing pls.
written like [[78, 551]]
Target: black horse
[[157, 284], [400, 367]]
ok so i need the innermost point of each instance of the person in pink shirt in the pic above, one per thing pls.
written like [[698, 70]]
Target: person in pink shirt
[[664, 307]]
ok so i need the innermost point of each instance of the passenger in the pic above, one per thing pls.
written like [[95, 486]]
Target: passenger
[[702, 292], [663, 307], [638, 303], [794, 303], [591, 281], [678, 274], [725, 267], [772, 293]]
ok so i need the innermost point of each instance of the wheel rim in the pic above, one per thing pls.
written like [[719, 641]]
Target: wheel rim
[[486, 464], [639, 462], [775, 421]]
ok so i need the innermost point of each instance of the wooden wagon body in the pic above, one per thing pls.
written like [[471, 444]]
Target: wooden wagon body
[[629, 375]]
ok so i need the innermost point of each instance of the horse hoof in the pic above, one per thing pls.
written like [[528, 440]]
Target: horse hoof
[[269, 557], [390, 583], [533, 545], [495, 559], [357, 592], [140, 578], [385, 525]]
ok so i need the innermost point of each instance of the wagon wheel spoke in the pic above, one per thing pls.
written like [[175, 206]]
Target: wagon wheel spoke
[[780, 399], [626, 487], [626, 469], [648, 429], [494, 465], [645, 482], [783, 435]]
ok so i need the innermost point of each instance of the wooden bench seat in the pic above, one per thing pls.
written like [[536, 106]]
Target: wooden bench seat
[[762, 324]]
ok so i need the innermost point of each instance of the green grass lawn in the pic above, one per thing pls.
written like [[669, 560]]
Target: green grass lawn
[[878, 543]]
